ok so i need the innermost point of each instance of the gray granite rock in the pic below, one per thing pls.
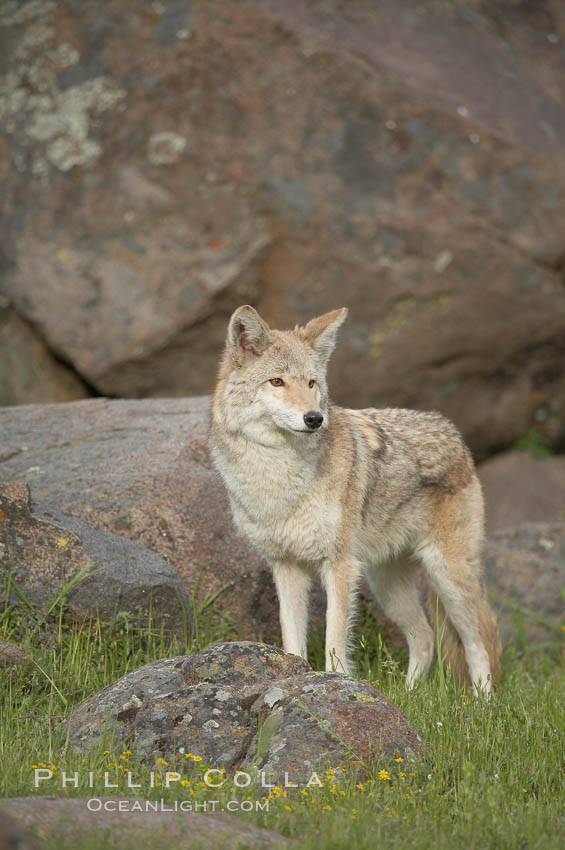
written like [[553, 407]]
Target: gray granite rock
[[13, 836], [519, 488], [525, 573], [245, 705], [42, 550], [66, 820]]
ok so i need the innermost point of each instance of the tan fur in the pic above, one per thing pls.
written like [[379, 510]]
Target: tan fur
[[369, 490]]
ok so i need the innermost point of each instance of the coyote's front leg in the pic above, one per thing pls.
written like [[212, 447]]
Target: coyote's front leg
[[340, 580], [293, 586]]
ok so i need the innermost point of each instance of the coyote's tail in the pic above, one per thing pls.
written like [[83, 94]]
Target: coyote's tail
[[452, 651]]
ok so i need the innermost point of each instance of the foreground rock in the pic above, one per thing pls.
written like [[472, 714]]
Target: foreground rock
[[525, 572], [244, 706], [141, 470], [69, 820], [43, 552], [13, 836], [406, 155], [519, 488]]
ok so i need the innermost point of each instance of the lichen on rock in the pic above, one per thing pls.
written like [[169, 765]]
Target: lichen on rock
[[165, 148], [33, 101], [261, 712]]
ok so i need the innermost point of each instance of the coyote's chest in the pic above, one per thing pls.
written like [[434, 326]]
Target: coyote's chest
[[276, 504]]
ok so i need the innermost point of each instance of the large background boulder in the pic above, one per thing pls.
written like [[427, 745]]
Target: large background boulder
[[163, 163], [141, 470], [525, 550], [519, 488], [525, 572], [28, 372]]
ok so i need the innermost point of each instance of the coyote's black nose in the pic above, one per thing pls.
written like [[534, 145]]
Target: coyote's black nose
[[313, 419]]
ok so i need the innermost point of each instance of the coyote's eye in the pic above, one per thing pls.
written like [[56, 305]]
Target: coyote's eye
[[277, 382], [311, 383]]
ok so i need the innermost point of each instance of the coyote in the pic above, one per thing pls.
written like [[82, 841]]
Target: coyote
[[316, 487]]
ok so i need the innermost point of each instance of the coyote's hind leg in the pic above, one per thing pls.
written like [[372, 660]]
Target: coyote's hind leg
[[457, 583]]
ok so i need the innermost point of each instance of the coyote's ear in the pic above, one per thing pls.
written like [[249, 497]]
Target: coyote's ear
[[321, 332], [247, 334]]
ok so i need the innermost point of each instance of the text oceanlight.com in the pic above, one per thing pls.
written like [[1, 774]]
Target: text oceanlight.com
[[97, 804]]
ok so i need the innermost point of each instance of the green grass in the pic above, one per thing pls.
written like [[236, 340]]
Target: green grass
[[536, 443], [493, 776]]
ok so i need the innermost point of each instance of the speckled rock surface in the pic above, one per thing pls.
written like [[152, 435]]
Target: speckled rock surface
[[41, 550], [317, 718], [13, 836], [28, 372], [525, 569], [520, 488], [244, 705], [164, 162], [66, 820]]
